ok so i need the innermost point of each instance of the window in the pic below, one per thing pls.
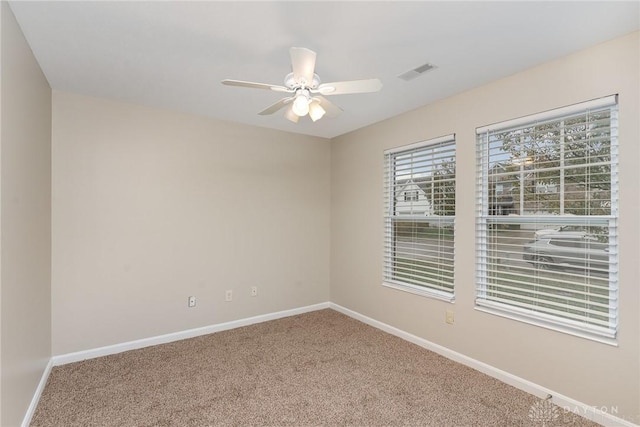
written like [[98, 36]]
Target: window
[[410, 196], [420, 211], [553, 259]]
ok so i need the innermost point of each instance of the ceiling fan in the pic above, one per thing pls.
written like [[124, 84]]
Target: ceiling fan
[[305, 91]]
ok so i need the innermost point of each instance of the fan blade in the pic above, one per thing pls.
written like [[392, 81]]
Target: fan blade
[[253, 85], [275, 107], [303, 63], [353, 86], [329, 107]]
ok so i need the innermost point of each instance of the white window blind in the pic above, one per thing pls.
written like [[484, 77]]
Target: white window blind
[[419, 194], [547, 210]]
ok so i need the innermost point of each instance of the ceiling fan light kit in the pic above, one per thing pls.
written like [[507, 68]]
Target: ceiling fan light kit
[[301, 103], [306, 89], [290, 115], [316, 111]]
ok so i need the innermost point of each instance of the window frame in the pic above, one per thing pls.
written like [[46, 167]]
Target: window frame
[[391, 280], [484, 219]]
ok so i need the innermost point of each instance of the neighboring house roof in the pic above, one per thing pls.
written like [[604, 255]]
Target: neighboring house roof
[[498, 165], [422, 185]]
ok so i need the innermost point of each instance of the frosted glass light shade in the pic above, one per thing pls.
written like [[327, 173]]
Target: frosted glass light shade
[[301, 106], [316, 111]]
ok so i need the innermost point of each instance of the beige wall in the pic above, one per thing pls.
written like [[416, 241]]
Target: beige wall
[[151, 206], [591, 372], [25, 225]]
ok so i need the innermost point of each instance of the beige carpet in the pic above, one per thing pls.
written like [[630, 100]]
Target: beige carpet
[[319, 368]]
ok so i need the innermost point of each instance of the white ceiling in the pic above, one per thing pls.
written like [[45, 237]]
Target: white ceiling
[[173, 54]]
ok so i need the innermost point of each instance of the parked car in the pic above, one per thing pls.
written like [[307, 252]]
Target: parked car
[[567, 249], [563, 228]]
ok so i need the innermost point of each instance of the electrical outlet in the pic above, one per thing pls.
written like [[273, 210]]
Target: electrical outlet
[[228, 296], [254, 291], [192, 301], [449, 318]]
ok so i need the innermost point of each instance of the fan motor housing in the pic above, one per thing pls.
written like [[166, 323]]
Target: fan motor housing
[[291, 83]]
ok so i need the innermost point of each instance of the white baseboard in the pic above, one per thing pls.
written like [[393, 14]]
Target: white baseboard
[[177, 336], [36, 396], [161, 339], [590, 412], [562, 401]]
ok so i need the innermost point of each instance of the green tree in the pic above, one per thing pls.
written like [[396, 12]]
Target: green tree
[[580, 145], [444, 188]]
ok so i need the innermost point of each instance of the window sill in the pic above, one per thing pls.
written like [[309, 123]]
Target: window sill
[[418, 290], [605, 337]]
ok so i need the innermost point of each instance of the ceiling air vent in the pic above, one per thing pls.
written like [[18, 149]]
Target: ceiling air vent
[[418, 71]]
